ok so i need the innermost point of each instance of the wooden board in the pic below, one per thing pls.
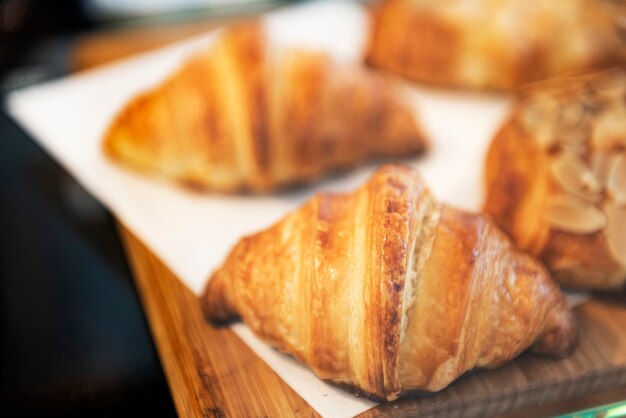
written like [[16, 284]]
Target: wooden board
[[212, 373]]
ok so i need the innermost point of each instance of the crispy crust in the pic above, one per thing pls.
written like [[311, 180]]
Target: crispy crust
[[494, 45], [326, 284], [240, 117]]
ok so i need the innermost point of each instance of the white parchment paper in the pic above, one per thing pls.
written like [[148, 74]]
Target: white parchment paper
[[192, 233]]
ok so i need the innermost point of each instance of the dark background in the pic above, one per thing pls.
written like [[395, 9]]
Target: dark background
[[74, 340], [73, 337]]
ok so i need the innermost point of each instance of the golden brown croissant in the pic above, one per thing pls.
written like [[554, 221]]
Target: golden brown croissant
[[387, 290], [497, 44], [556, 177], [241, 116]]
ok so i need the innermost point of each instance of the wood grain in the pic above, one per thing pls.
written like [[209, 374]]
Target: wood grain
[[210, 371], [114, 43], [213, 373], [102, 47], [597, 365]]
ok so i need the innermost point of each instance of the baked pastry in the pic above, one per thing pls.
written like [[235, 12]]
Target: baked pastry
[[241, 115], [495, 44], [387, 291], [556, 177]]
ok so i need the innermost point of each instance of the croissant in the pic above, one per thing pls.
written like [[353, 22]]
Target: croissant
[[241, 115], [388, 291], [495, 44]]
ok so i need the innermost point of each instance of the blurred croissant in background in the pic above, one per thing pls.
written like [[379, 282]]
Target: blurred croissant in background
[[495, 44], [242, 116]]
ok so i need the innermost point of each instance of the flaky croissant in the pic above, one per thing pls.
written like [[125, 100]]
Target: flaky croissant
[[241, 115], [387, 291]]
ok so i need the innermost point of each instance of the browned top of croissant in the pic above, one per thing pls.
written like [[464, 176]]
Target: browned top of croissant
[[387, 290], [242, 115]]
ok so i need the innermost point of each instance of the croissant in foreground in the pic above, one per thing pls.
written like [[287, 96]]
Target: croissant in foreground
[[243, 115], [388, 291]]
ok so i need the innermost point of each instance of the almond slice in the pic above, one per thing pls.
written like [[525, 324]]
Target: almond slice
[[610, 129], [544, 136], [574, 215], [612, 93], [616, 231], [574, 176], [573, 114], [588, 98], [540, 112], [574, 141], [601, 163], [616, 181]]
